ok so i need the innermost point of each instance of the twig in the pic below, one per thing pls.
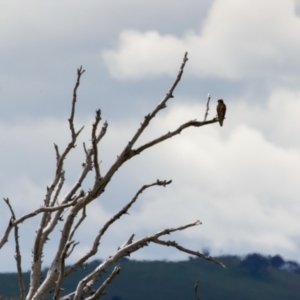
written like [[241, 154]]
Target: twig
[[83, 216], [207, 107], [99, 292], [196, 253], [196, 290], [74, 134], [18, 256], [169, 135], [58, 190], [57, 152], [80, 71], [102, 132], [117, 216], [13, 223], [128, 242], [94, 142], [72, 249]]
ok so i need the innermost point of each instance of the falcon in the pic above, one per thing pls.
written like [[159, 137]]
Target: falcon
[[221, 111]]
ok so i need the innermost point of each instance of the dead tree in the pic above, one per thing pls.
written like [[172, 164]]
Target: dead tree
[[74, 203]]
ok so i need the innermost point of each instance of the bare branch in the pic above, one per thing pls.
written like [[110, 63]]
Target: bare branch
[[41, 235], [6, 200], [69, 147], [99, 292], [207, 108], [85, 150], [160, 106], [117, 216], [102, 132], [4, 239], [127, 152], [74, 134], [41, 210], [76, 200], [87, 167], [90, 279], [196, 253], [18, 256], [94, 142], [83, 216], [10, 224], [72, 248], [62, 270], [57, 152], [128, 242], [80, 71], [169, 135], [58, 190], [43, 231]]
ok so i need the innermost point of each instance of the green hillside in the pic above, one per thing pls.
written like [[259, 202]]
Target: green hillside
[[255, 278]]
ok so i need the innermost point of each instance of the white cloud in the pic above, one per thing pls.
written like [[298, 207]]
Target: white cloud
[[144, 54], [240, 39]]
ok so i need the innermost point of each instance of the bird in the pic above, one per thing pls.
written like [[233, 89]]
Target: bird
[[221, 111]]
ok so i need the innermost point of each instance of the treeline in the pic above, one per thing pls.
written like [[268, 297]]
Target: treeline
[[253, 277], [258, 264]]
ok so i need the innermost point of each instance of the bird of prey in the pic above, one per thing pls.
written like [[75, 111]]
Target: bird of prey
[[221, 111]]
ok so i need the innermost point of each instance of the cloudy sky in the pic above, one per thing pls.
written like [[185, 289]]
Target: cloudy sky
[[242, 180]]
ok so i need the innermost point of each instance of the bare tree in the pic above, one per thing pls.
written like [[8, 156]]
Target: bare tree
[[74, 203]]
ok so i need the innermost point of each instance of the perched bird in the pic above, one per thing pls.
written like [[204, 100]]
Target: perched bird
[[221, 111]]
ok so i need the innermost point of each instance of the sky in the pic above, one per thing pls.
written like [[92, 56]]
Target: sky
[[240, 180]]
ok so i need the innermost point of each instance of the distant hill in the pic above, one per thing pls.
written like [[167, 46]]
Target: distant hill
[[255, 277]]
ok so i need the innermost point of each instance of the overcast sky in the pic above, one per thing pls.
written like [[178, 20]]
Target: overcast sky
[[242, 180]]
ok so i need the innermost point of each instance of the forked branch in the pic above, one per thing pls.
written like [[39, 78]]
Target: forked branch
[[100, 290], [161, 105], [113, 219], [86, 283], [66, 208]]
